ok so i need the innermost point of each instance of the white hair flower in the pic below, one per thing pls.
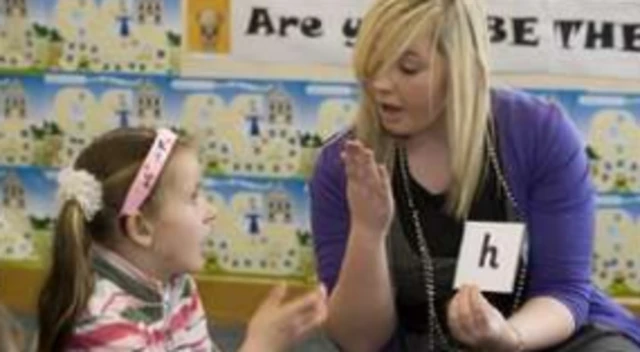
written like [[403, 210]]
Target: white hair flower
[[83, 187]]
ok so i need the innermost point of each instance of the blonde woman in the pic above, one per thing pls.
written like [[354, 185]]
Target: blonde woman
[[433, 147]]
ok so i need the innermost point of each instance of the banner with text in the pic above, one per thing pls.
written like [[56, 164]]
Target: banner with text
[[583, 37]]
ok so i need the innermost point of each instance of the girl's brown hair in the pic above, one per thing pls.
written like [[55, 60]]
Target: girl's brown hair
[[113, 159]]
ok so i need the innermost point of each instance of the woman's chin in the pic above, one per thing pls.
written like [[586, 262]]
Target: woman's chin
[[397, 130]]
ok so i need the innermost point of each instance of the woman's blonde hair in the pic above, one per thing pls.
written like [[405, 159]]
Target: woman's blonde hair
[[458, 31]]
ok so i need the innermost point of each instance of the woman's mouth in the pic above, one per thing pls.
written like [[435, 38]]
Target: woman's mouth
[[390, 111], [390, 108]]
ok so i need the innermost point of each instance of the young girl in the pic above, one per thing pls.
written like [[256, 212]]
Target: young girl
[[131, 226]]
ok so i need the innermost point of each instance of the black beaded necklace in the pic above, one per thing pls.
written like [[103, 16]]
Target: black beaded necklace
[[428, 274]]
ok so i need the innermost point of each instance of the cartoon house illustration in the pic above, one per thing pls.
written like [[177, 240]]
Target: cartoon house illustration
[[149, 12], [77, 47], [280, 107], [13, 196], [279, 207], [262, 143], [15, 144], [148, 104], [614, 138], [616, 251], [15, 235], [280, 143], [14, 101], [17, 38], [16, 148], [13, 8], [75, 114], [81, 54]]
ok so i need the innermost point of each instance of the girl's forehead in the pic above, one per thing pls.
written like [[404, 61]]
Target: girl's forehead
[[182, 171]]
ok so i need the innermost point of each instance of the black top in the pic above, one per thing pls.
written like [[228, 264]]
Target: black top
[[443, 236]]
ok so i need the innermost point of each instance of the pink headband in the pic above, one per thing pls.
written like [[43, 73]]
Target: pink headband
[[149, 171]]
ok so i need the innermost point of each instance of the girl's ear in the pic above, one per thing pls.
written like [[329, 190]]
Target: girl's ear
[[139, 230]]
